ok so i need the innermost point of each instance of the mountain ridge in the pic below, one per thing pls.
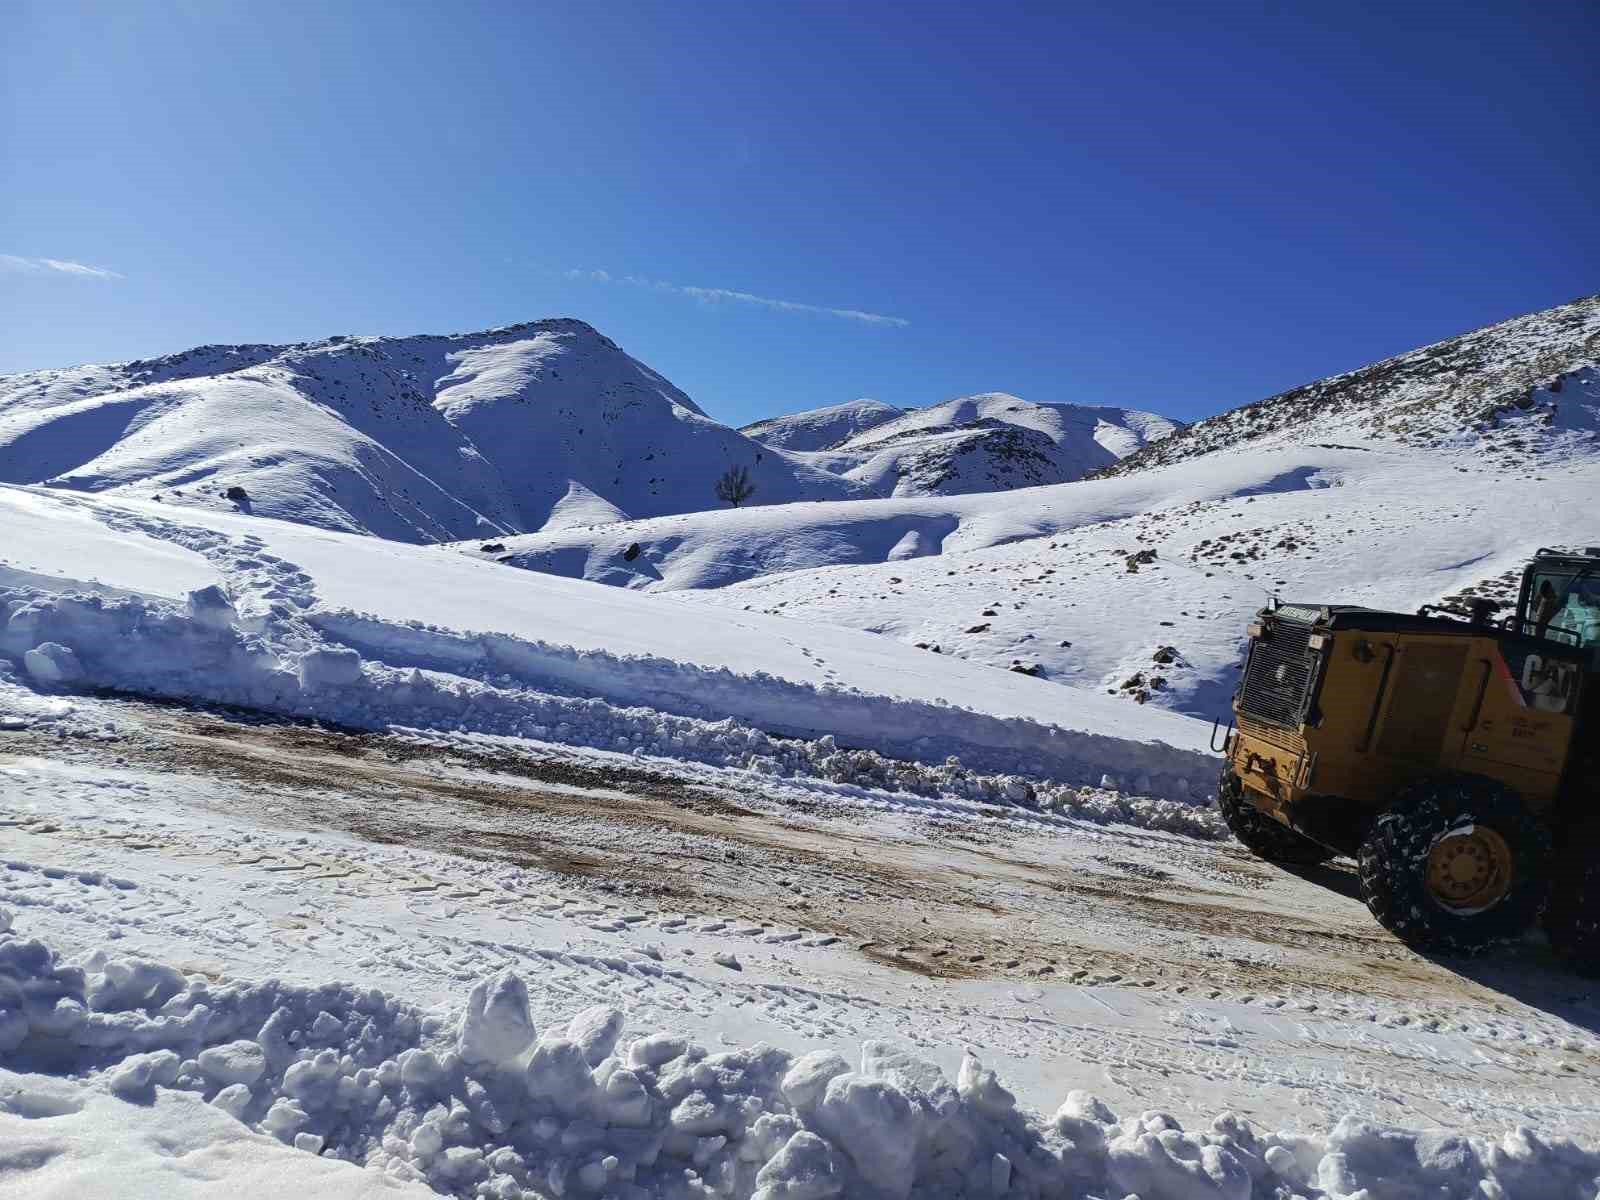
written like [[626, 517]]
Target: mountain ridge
[[1496, 388], [417, 438], [821, 428], [988, 441]]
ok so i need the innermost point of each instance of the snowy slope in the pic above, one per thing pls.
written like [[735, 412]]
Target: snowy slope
[[1145, 591], [1041, 580], [370, 632], [820, 428], [1501, 391], [547, 424], [983, 443]]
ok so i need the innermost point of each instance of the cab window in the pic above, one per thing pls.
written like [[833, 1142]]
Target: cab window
[[1564, 606], [1547, 593]]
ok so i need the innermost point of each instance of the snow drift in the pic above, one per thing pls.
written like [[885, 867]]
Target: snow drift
[[487, 1105]]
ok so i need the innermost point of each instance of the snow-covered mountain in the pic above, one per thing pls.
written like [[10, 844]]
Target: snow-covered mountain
[[1141, 582], [985, 443], [820, 428], [542, 425], [1518, 392]]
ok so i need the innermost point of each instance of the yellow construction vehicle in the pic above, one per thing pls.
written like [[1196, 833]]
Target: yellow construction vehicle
[[1456, 757]]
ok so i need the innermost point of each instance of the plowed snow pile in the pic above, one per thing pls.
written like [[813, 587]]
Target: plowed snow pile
[[484, 1104], [369, 634]]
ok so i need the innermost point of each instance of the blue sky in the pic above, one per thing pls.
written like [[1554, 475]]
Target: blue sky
[[1178, 207]]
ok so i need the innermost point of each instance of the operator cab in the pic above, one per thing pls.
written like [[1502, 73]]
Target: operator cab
[[1560, 600]]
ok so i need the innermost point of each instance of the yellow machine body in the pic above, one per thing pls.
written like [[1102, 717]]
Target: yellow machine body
[[1340, 708]]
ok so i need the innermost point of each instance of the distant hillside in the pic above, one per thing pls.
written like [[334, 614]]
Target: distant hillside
[[820, 428], [543, 425], [985, 443], [1518, 392]]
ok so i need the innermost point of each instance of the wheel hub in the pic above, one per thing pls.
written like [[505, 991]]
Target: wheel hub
[[1469, 870]]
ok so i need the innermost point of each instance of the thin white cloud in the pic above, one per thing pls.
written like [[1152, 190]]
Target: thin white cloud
[[16, 262], [710, 295]]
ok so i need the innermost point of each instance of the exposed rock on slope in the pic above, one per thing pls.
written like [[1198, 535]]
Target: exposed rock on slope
[[1522, 390], [542, 425]]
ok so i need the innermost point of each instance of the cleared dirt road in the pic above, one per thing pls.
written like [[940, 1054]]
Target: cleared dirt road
[[1149, 967]]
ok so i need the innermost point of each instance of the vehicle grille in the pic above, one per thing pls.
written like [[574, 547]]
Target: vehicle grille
[[1279, 675]]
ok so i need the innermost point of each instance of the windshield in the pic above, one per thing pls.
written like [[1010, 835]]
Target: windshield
[[1564, 606]]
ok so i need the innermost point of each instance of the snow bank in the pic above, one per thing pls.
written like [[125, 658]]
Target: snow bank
[[280, 591], [618, 672], [490, 1106], [279, 663], [910, 729]]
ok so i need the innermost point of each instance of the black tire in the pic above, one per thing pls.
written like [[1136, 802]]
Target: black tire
[[1573, 918], [1260, 834], [1394, 864]]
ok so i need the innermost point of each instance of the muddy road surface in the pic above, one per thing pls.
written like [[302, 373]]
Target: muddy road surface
[[1146, 966]]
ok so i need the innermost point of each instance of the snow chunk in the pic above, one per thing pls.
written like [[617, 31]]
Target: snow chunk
[[239, 1062], [496, 1028], [126, 984], [1179, 1165], [211, 608], [596, 1030], [52, 664], [912, 1075], [808, 1079], [330, 666], [981, 1088], [135, 1078], [657, 1049], [874, 1123], [284, 1119], [234, 1100], [807, 1168], [559, 1074], [420, 1070]]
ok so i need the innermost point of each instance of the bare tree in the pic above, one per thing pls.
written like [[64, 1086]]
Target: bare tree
[[735, 486]]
